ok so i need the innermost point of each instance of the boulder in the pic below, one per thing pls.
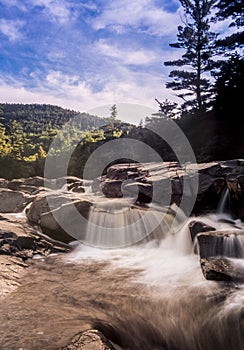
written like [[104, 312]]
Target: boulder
[[196, 227], [40, 205], [61, 225], [222, 269], [221, 243], [89, 340], [13, 201]]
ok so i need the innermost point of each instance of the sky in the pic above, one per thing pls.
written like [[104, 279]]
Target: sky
[[87, 55]]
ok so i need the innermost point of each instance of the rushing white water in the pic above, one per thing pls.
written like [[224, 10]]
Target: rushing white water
[[184, 310]]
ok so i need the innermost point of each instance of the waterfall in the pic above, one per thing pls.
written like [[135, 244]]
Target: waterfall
[[224, 203], [115, 224]]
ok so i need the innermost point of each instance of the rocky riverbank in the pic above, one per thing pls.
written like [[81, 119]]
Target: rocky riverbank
[[31, 208]]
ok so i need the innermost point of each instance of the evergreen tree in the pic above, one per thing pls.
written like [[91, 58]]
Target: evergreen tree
[[113, 115], [231, 45], [229, 86], [197, 40]]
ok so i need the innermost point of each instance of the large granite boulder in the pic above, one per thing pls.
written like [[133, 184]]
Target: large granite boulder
[[53, 212], [61, 224], [13, 201], [40, 205]]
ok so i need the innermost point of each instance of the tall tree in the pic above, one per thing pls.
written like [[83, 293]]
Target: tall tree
[[196, 38], [229, 86], [113, 115]]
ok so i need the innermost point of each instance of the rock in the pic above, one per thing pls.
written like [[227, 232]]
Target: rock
[[17, 184], [236, 187], [11, 271], [18, 239], [222, 269], [13, 201], [89, 340], [166, 179], [51, 222], [196, 227], [221, 243], [40, 205], [61, 181], [3, 183]]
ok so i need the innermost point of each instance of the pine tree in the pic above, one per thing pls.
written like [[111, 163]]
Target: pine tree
[[197, 40], [229, 86], [233, 10], [113, 115]]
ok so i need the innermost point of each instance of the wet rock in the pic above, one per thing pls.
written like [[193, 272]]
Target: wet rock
[[41, 204], [196, 227], [221, 243], [18, 239], [13, 201], [62, 224], [171, 180], [61, 181], [223, 269], [89, 340], [17, 184]]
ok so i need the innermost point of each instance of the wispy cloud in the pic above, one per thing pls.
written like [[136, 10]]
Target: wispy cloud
[[140, 14], [126, 56], [59, 10], [11, 28]]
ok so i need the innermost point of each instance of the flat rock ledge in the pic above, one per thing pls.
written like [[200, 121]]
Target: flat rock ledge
[[19, 244], [89, 340]]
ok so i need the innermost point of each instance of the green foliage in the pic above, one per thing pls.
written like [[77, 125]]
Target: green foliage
[[26, 140]]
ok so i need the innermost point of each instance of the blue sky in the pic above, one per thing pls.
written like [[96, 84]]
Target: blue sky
[[82, 54]]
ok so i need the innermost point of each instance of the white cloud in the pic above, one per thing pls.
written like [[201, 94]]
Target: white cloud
[[11, 28], [138, 13], [71, 92], [59, 10], [127, 56], [11, 3]]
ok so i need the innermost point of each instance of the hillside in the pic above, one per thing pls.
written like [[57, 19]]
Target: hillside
[[36, 118]]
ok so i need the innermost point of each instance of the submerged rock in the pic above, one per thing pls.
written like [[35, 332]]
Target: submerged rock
[[89, 340]]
